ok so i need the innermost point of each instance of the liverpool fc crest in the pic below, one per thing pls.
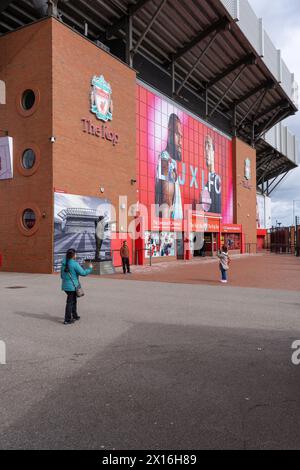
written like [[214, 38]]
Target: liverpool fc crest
[[101, 101]]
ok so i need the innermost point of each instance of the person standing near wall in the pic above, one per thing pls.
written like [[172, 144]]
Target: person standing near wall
[[124, 252], [70, 272], [224, 264]]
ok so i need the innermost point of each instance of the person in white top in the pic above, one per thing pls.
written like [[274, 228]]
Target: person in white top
[[224, 264]]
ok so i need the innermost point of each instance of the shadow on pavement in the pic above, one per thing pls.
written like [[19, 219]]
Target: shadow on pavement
[[42, 316], [172, 387]]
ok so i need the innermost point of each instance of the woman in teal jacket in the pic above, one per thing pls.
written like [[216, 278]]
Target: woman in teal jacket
[[70, 272]]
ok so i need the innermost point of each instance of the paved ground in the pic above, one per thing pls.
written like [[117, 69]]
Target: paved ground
[[151, 365], [263, 271]]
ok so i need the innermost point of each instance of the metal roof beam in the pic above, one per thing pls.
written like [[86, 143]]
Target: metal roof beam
[[251, 108], [22, 12], [262, 177], [281, 179], [263, 158], [247, 60], [227, 91], [4, 4], [268, 85], [12, 18], [145, 32], [277, 117], [219, 25], [190, 73], [280, 104], [122, 22]]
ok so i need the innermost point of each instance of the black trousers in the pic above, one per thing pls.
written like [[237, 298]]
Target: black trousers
[[126, 265], [71, 306]]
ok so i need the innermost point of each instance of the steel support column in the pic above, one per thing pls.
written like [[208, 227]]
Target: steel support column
[[234, 122], [129, 40], [206, 103], [173, 68], [253, 134]]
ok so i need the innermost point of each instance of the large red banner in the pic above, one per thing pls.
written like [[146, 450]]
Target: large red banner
[[181, 163]]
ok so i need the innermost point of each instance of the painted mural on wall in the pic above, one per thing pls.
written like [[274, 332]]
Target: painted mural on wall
[[80, 222], [181, 161]]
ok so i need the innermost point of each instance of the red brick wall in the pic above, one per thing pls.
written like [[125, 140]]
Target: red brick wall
[[83, 163], [59, 64], [245, 191], [25, 62]]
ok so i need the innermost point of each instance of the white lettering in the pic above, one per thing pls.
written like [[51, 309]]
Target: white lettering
[[296, 354], [2, 353]]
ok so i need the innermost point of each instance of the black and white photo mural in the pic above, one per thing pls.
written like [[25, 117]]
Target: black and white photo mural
[[82, 223]]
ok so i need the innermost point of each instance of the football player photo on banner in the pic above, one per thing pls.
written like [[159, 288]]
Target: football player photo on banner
[[181, 161]]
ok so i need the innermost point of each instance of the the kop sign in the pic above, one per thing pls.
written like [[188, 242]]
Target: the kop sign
[[101, 105]]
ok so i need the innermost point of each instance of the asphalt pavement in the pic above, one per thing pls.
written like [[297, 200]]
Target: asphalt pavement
[[150, 365]]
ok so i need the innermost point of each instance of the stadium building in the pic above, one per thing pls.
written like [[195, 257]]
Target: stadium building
[[161, 118]]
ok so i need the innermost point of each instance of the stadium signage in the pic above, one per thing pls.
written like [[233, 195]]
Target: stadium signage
[[102, 131], [101, 105]]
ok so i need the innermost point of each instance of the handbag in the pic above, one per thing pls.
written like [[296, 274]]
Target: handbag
[[79, 291]]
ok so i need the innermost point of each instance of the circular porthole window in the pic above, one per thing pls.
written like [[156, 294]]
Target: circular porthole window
[[29, 219], [28, 99], [28, 159]]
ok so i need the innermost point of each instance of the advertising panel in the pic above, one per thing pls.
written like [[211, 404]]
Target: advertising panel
[[268, 212], [6, 158], [181, 162], [260, 211], [82, 223], [159, 244], [263, 212]]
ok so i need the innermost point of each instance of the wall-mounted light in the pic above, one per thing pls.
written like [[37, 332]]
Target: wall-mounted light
[[44, 215], [123, 206], [132, 181], [52, 139], [102, 190]]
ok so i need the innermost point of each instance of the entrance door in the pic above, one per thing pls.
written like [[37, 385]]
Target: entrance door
[[208, 244], [180, 247]]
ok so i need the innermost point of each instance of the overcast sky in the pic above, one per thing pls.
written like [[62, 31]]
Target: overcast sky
[[282, 22]]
